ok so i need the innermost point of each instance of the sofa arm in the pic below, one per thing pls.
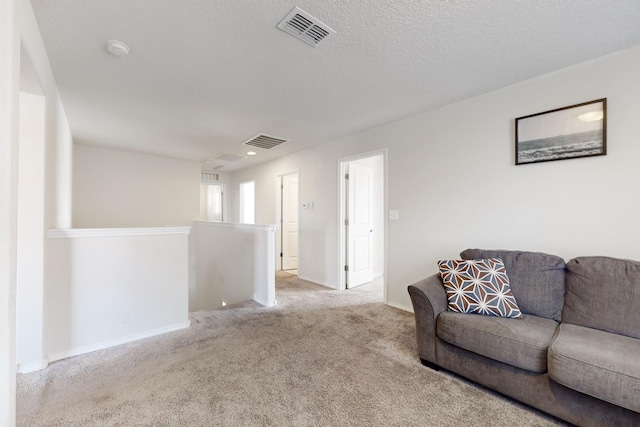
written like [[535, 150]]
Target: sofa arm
[[429, 299]]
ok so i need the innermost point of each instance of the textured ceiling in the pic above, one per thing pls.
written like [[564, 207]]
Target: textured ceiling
[[203, 76]]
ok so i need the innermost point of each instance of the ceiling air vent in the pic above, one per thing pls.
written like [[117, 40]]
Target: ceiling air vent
[[300, 24], [228, 157], [265, 141]]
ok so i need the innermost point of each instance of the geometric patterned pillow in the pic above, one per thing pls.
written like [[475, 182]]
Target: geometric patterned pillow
[[478, 286]]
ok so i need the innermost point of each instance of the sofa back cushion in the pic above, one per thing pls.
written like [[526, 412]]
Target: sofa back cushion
[[536, 279], [603, 293]]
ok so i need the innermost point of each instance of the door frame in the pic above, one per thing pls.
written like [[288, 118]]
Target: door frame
[[342, 192], [223, 201], [278, 259]]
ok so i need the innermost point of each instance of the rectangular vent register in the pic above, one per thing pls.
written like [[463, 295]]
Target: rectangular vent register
[[265, 141], [305, 27]]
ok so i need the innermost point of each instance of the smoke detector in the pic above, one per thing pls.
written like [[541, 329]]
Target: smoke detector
[[305, 27], [117, 48]]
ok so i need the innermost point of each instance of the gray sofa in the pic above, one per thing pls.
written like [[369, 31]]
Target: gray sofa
[[574, 354]]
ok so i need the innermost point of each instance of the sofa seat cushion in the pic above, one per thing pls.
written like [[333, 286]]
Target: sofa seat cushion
[[597, 363], [522, 342]]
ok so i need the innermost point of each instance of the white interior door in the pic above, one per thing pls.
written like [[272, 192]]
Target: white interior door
[[290, 221], [359, 225]]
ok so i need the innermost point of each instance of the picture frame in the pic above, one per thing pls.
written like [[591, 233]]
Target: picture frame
[[571, 132]]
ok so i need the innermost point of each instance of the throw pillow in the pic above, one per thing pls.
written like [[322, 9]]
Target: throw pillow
[[537, 279], [478, 286]]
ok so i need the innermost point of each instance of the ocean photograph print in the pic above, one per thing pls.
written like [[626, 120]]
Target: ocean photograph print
[[564, 133]]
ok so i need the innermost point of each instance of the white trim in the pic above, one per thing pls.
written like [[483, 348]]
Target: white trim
[[25, 368], [119, 341], [278, 218], [270, 227], [400, 306], [70, 233], [341, 252], [317, 282], [364, 155], [265, 303]]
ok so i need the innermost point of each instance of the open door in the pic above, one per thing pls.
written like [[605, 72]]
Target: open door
[[359, 225], [289, 229]]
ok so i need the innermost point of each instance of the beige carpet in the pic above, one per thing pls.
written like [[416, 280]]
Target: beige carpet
[[320, 358]]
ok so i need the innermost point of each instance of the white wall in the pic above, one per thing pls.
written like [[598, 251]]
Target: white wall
[[45, 188], [113, 188], [31, 230], [93, 305], [317, 259], [451, 174], [59, 166], [9, 88], [231, 262], [203, 203], [20, 37]]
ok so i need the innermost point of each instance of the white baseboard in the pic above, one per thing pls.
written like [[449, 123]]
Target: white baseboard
[[118, 341], [265, 303], [401, 306], [317, 282], [25, 368]]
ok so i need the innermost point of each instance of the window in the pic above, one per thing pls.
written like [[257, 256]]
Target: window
[[247, 202]]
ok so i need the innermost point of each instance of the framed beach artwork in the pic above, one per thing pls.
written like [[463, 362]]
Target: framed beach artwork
[[564, 133]]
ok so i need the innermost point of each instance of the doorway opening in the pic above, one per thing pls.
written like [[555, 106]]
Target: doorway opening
[[362, 225], [288, 235], [212, 202]]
